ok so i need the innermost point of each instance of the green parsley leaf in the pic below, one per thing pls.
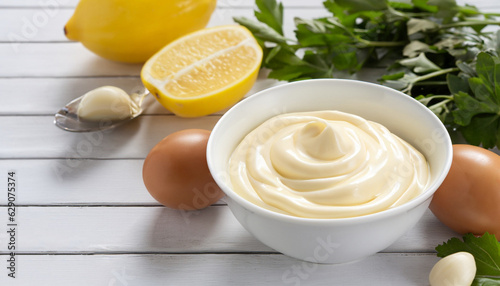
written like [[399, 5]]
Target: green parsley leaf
[[468, 107], [457, 84], [286, 65], [420, 64], [422, 4], [485, 249], [446, 9], [486, 281], [478, 111], [483, 131], [311, 33], [361, 5], [485, 67], [261, 30], [271, 14], [414, 48], [415, 25], [483, 91], [467, 69], [394, 76]]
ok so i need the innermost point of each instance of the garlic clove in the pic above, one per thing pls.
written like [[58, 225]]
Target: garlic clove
[[458, 269], [106, 102]]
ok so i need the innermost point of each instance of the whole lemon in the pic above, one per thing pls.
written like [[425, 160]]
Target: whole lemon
[[132, 31]]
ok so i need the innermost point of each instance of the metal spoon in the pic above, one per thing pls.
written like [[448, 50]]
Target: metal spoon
[[67, 119]]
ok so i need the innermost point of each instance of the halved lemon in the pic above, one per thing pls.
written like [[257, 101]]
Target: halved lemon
[[205, 71]]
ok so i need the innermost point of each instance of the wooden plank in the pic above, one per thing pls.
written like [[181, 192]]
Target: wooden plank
[[428, 233], [71, 59], [92, 183], [46, 25], [44, 96], [67, 59], [128, 229], [220, 3], [216, 269], [35, 24], [43, 25], [38, 137], [119, 182], [78, 182], [53, 4], [47, 95], [163, 230]]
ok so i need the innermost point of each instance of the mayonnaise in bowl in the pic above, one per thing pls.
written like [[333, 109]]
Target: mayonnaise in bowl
[[326, 164]]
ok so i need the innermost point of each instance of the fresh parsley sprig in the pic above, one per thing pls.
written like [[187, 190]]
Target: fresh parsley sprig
[[486, 252], [434, 50]]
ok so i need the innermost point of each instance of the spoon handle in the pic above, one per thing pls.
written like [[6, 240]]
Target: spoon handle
[[138, 98]]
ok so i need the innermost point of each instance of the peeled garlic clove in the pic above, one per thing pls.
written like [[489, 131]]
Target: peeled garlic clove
[[106, 102], [458, 269]]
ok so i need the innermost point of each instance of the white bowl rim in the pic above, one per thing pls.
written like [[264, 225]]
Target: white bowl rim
[[406, 207]]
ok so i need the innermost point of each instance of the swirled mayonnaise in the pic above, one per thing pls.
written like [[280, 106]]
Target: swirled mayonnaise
[[326, 164]]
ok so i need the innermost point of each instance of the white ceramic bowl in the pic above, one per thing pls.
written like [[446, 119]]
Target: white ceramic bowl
[[331, 240]]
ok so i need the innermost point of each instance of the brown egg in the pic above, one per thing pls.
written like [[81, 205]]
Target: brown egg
[[176, 173], [469, 198]]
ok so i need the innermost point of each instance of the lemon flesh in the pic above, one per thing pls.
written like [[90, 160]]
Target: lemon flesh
[[132, 31], [205, 71]]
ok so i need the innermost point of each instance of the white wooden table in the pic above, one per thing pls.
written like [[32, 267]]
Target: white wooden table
[[83, 215]]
